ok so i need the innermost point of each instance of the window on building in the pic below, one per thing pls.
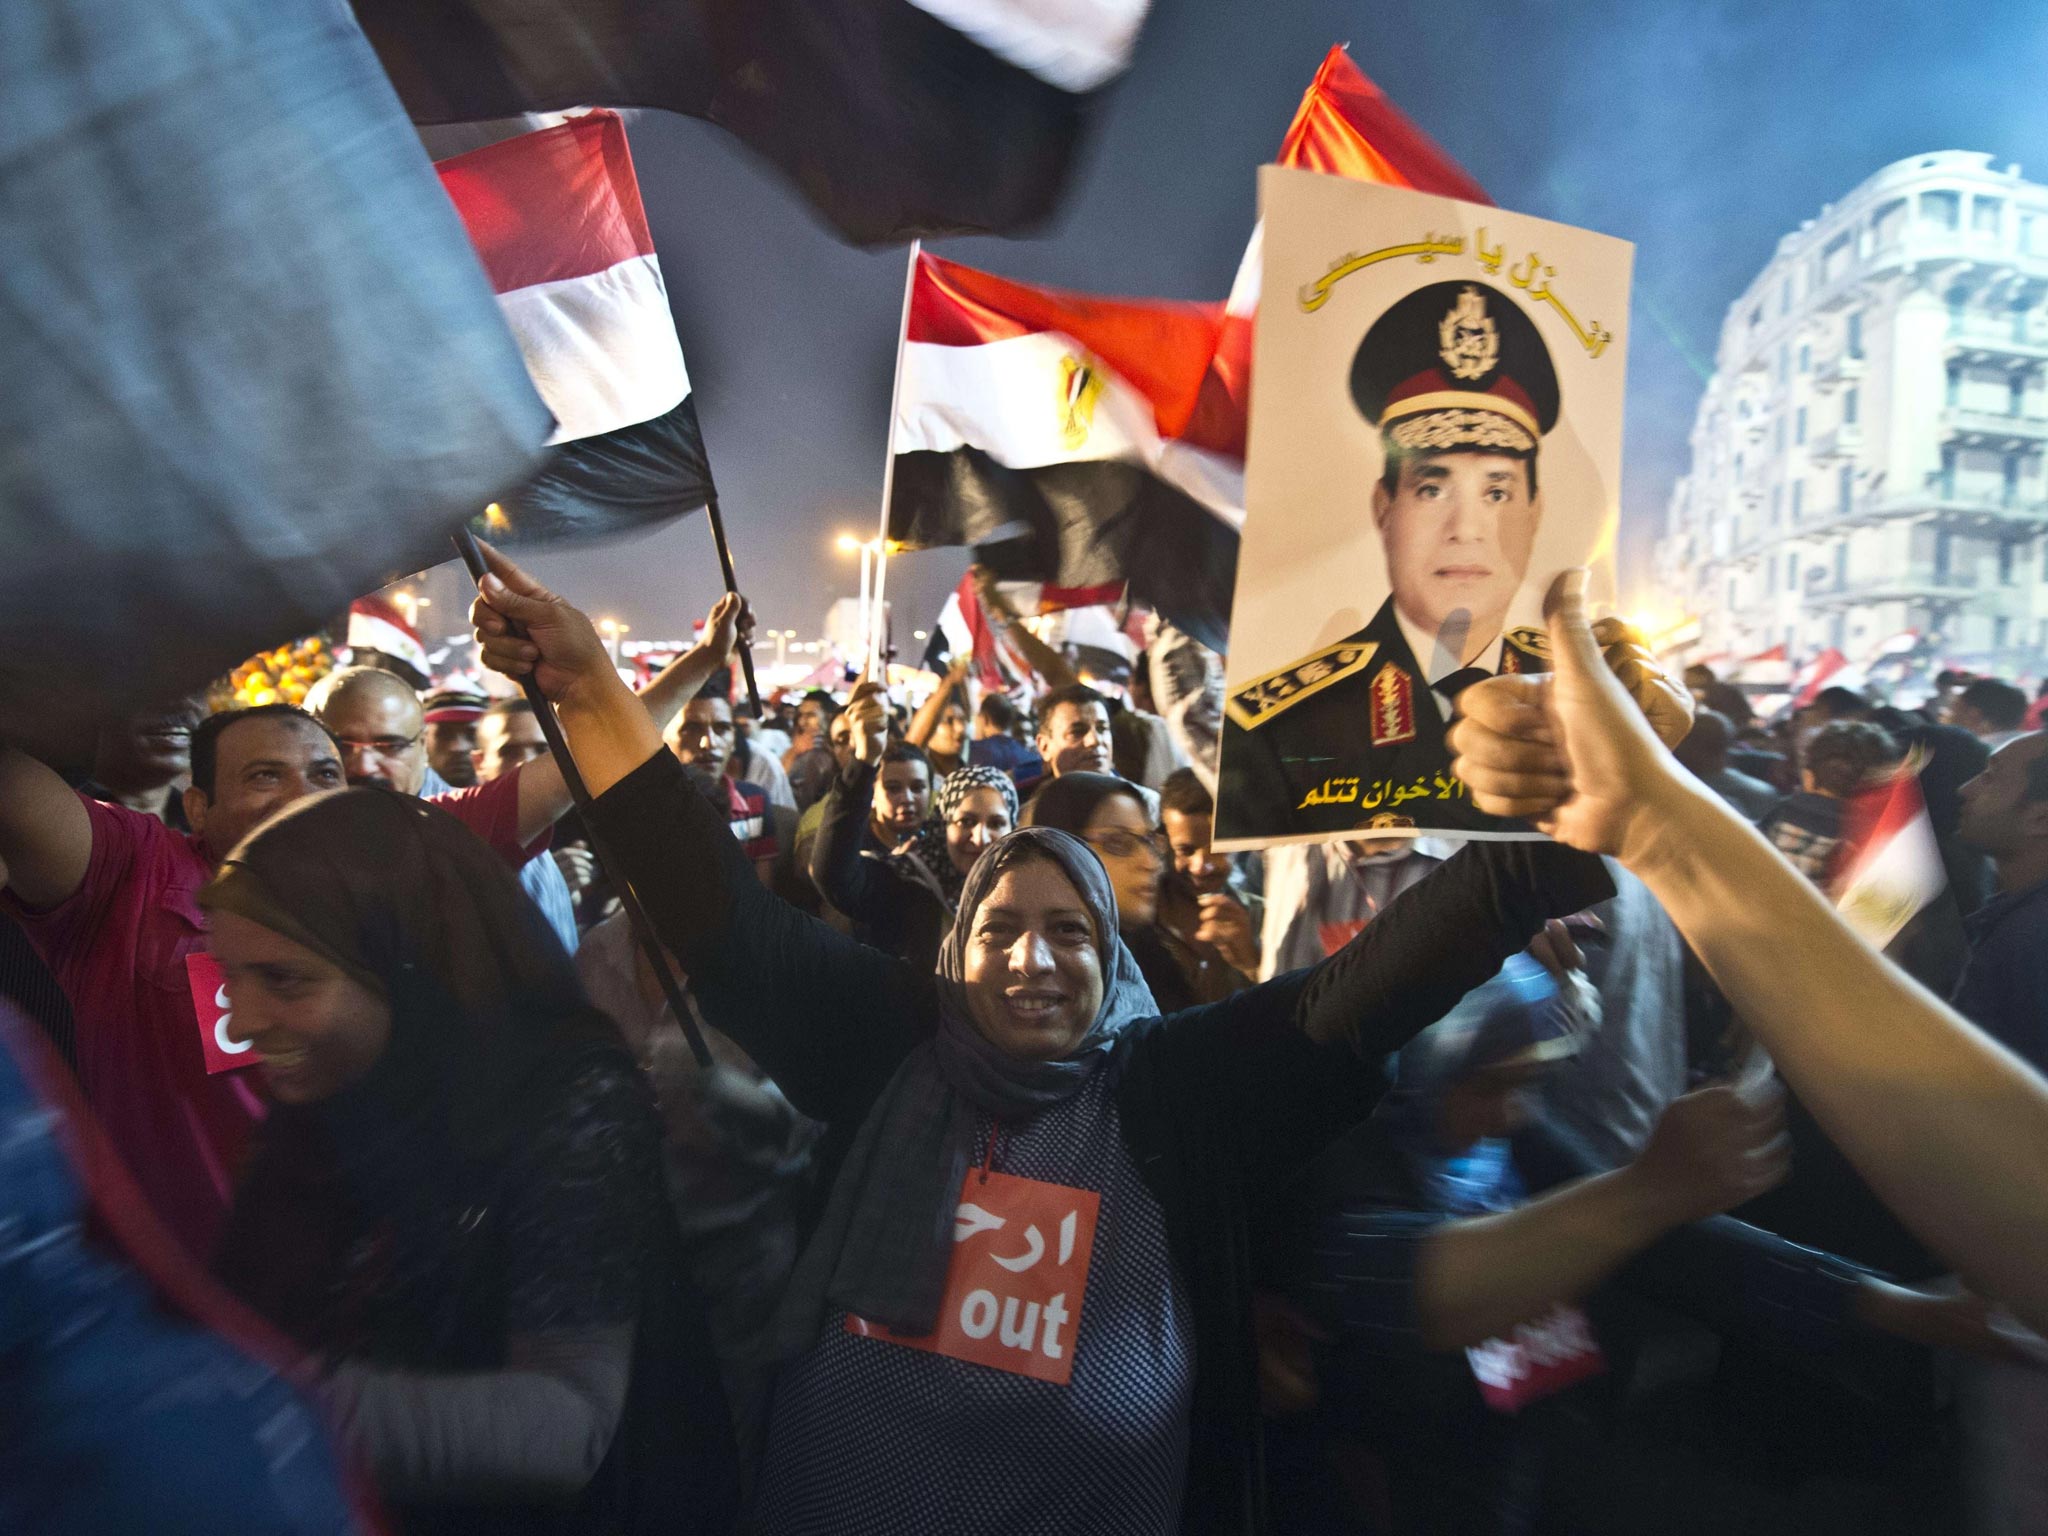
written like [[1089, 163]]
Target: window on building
[[2004, 564], [1940, 210], [1756, 317], [1888, 224], [1798, 498], [1852, 334], [1958, 309], [1785, 295], [2011, 491], [1946, 478], [1954, 393], [1784, 357], [1845, 485], [1735, 531], [1984, 214], [2026, 233], [1805, 358], [1942, 551], [1778, 438], [1792, 571], [1841, 564], [1770, 578], [1738, 468], [2016, 395], [1849, 407], [1777, 504], [2001, 632], [1799, 425]]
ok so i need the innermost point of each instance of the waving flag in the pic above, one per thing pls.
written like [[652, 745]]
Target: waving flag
[[253, 369], [1081, 441], [1345, 126], [556, 217], [1896, 868], [1054, 424], [896, 118]]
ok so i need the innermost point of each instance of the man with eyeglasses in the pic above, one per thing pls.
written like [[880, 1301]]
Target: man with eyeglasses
[[377, 722]]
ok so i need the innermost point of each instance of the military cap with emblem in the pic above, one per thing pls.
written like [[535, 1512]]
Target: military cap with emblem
[[1456, 367]]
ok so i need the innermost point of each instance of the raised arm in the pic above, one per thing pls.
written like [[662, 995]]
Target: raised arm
[[1950, 1129], [730, 624], [856, 886], [1048, 663], [926, 720], [45, 833], [826, 1017]]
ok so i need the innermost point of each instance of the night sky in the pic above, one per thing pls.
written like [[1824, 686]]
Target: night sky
[[1702, 132]]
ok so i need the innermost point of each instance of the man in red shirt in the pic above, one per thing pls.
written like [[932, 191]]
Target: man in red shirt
[[107, 896]]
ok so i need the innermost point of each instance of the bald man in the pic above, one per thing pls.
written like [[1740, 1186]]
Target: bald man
[[377, 722]]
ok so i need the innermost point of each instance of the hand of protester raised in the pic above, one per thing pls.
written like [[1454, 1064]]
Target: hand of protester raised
[[867, 716], [729, 624], [559, 647], [1713, 1149], [1571, 750]]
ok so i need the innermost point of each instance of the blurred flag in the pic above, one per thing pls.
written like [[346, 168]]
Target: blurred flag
[[254, 369], [1814, 676], [1345, 126], [1082, 440], [556, 217], [1045, 428], [1896, 868], [896, 118]]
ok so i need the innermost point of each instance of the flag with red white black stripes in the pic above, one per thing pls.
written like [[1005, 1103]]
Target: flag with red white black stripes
[[556, 217]]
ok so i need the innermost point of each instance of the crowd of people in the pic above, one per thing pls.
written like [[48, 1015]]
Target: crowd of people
[[1009, 1158]]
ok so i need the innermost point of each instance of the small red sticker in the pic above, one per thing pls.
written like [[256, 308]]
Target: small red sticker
[[210, 1005]]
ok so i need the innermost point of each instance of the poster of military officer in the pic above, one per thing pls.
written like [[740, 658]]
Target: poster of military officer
[[1435, 432]]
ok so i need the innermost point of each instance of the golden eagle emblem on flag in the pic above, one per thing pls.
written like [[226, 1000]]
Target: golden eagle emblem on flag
[[1080, 388]]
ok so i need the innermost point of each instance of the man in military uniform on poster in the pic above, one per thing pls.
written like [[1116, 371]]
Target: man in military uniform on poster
[[1350, 737]]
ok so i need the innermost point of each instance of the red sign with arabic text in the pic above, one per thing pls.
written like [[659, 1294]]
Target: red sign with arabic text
[[1019, 1273]]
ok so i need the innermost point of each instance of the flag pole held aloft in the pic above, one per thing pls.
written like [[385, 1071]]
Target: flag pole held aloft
[[579, 792]]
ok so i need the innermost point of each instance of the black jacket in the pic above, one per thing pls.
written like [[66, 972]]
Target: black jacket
[[891, 908], [1219, 1105]]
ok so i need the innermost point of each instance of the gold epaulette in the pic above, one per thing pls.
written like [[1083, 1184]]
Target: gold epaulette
[[1522, 645], [1263, 698]]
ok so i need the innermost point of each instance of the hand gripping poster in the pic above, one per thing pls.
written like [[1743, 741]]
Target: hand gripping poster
[[1435, 432]]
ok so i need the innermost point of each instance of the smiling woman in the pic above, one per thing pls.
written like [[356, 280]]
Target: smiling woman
[[457, 1197], [1029, 1281]]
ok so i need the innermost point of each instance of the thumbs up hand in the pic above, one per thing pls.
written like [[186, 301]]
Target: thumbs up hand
[[1571, 750]]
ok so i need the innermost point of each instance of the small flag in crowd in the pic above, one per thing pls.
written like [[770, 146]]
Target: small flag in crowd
[[1083, 440], [557, 219], [375, 624], [1896, 869], [1026, 417], [896, 118], [257, 371]]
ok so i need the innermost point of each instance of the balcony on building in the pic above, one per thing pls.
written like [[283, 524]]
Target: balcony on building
[[1985, 513], [1844, 367], [1986, 341], [1992, 429], [1843, 442], [1915, 584]]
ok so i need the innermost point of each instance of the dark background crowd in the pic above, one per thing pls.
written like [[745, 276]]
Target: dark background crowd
[[1543, 1256]]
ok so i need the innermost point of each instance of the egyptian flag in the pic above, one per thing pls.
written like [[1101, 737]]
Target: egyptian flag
[[1148, 486], [556, 217], [1345, 126], [896, 118], [1046, 429], [375, 624], [1896, 868]]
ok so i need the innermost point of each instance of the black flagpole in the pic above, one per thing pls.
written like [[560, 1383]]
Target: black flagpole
[[579, 792], [732, 585]]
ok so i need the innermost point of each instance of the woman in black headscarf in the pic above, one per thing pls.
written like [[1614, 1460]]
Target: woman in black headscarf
[[456, 1201], [975, 1114], [1108, 815]]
